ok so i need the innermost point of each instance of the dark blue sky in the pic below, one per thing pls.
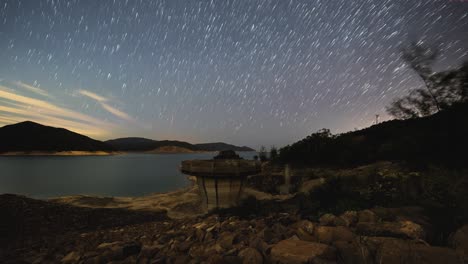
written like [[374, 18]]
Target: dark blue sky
[[246, 72]]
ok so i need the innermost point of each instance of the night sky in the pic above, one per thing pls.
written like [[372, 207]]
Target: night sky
[[245, 72]]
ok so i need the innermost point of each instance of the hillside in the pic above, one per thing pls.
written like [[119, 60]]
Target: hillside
[[170, 150], [219, 146], [437, 139], [144, 144], [33, 137]]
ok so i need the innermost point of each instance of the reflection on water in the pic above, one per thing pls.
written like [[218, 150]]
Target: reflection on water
[[120, 175]]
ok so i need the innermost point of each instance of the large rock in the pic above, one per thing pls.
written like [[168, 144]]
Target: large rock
[[367, 216], [350, 218], [332, 220], [352, 252], [251, 256], [392, 250], [329, 234], [305, 230], [327, 219], [298, 252], [226, 239], [460, 242], [71, 257], [401, 229]]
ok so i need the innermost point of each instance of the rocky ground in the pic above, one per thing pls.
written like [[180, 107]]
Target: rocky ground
[[35, 231]]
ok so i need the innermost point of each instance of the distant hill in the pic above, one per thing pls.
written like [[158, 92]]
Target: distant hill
[[170, 149], [144, 144], [438, 139], [219, 146], [33, 137]]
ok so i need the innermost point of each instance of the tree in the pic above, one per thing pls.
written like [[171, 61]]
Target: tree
[[420, 58], [262, 154], [442, 89], [273, 153]]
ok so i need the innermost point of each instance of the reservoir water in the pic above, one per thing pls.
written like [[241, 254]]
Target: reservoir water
[[119, 175]]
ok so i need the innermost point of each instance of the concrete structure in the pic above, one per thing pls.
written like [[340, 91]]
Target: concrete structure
[[220, 181]]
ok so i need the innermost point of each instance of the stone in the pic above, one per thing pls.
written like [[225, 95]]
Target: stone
[[459, 241], [267, 234], [184, 246], [183, 259], [226, 239], [350, 218], [109, 245], [352, 252], [298, 252], [305, 230], [197, 251], [324, 234], [131, 249], [412, 230], [327, 219], [259, 244], [367, 216], [304, 235], [71, 257], [401, 229], [329, 234], [404, 251], [250, 256], [149, 251], [306, 225]]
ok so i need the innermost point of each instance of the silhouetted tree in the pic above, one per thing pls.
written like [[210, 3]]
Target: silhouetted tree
[[273, 153], [442, 89], [262, 154]]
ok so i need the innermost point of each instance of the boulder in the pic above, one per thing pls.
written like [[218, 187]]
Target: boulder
[[149, 251], [298, 252], [350, 218], [460, 242], [181, 259], [352, 252], [404, 251], [329, 234], [71, 257], [259, 244], [332, 220], [367, 216], [130, 249], [304, 230], [327, 219], [250, 256], [401, 229], [226, 240]]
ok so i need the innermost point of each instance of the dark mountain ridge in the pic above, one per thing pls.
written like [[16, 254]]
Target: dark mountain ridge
[[441, 138], [143, 144], [29, 136]]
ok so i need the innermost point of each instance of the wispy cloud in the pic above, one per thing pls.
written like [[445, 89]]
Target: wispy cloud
[[33, 89], [117, 112], [103, 101], [16, 108], [93, 96]]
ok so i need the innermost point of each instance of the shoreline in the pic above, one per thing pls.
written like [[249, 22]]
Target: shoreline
[[94, 153], [60, 153]]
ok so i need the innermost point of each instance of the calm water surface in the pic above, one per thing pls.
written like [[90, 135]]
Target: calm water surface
[[120, 175]]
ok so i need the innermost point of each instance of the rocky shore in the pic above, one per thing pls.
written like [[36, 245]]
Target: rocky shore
[[36, 231]]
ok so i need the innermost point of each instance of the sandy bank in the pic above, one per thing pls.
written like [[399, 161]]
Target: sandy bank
[[178, 204]]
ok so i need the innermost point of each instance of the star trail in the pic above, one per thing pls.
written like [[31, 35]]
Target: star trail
[[247, 72]]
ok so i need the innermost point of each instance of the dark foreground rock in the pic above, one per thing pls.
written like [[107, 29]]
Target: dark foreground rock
[[46, 232]]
